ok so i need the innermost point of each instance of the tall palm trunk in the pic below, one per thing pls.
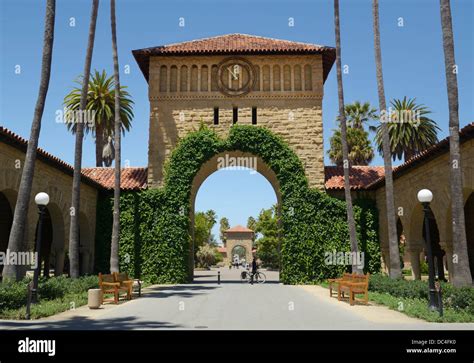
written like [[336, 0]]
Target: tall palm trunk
[[345, 149], [461, 274], [76, 180], [99, 144], [17, 233], [114, 260], [394, 252]]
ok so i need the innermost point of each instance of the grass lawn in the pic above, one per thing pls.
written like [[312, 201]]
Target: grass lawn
[[56, 295], [46, 308], [417, 308]]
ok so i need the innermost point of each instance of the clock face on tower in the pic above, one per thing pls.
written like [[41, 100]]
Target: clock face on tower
[[235, 76]]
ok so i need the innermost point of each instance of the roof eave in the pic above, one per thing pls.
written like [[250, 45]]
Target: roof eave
[[142, 56]]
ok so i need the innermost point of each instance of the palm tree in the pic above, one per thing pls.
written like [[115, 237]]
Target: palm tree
[[462, 274], [345, 152], [114, 251], [224, 226], [360, 113], [17, 232], [252, 224], [394, 253], [76, 180], [360, 151], [101, 102], [411, 131]]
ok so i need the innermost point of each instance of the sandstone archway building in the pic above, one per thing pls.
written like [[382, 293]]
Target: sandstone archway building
[[280, 88], [239, 237]]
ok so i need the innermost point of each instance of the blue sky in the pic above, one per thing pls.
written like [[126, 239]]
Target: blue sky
[[412, 55]]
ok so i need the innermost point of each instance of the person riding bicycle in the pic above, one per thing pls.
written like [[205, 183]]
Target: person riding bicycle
[[254, 270]]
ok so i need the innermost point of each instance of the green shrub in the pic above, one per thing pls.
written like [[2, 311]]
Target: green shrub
[[456, 298], [206, 256], [424, 268], [13, 295], [155, 242]]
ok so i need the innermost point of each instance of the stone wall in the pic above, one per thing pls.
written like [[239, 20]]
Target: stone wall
[[58, 184], [433, 174], [290, 107]]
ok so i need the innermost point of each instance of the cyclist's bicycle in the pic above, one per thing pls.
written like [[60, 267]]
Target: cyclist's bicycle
[[258, 277]]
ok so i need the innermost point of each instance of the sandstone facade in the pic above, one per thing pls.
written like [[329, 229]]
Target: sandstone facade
[[58, 184], [287, 95], [433, 174]]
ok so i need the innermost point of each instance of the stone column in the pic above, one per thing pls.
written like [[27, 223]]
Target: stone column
[[448, 248], [414, 254], [59, 263]]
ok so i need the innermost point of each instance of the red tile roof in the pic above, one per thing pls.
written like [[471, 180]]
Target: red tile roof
[[361, 176], [100, 178], [465, 134], [221, 249], [235, 44], [239, 228], [130, 178], [9, 137]]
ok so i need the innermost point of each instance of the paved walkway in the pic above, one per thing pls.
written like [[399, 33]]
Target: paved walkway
[[232, 305]]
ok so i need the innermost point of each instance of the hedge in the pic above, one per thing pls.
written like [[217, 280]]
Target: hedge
[[13, 295], [457, 298], [155, 240]]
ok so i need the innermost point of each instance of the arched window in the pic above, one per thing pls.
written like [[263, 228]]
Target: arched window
[[173, 79], [214, 78], [287, 78], [194, 78], [276, 78], [266, 78], [256, 86], [204, 78], [163, 78], [183, 79], [297, 75], [308, 78]]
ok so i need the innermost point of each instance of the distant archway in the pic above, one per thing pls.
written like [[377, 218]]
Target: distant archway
[[239, 251]]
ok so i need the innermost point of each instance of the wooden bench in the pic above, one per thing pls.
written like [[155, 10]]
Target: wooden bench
[[109, 285], [347, 277], [358, 285], [125, 282]]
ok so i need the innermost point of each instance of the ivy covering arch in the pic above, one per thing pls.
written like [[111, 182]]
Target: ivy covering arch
[[155, 238]]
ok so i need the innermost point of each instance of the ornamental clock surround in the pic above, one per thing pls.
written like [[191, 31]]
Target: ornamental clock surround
[[236, 76]]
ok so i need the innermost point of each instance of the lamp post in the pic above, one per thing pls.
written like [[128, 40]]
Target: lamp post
[[41, 200], [425, 196]]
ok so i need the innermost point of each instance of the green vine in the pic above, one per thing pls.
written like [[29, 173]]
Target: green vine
[[155, 240]]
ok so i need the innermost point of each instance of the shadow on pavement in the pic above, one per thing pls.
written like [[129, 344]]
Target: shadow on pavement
[[188, 290], [84, 323]]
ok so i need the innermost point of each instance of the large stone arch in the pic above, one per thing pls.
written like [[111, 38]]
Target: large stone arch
[[155, 240], [274, 160]]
